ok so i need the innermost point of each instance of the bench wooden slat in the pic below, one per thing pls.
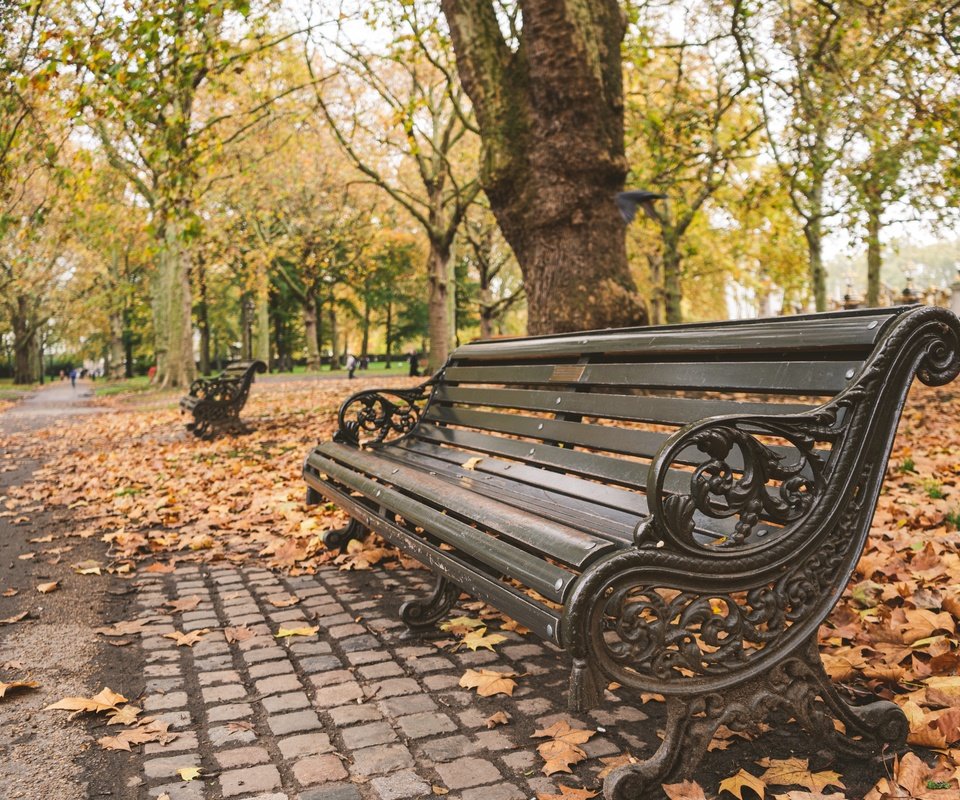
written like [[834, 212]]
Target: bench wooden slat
[[808, 333], [631, 408], [776, 377], [471, 577], [536, 497], [551, 581]]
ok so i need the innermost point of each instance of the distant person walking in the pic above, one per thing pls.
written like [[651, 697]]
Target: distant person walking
[[414, 364], [73, 377], [351, 365]]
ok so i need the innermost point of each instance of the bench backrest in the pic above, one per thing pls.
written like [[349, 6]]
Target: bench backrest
[[617, 396]]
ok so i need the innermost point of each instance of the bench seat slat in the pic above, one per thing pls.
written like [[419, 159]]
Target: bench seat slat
[[538, 498], [808, 333], [539, 618], [413, 489], [631, 408], [786, 377]]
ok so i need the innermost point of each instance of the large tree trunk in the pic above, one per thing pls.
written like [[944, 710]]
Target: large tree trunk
[[813, 233], [389, 332], [334, 355], [261, 341], [116, 367], [439, 308], [310, 332], [672, 292], [172, 309], [24, 344], [551, 122], [874, 259]]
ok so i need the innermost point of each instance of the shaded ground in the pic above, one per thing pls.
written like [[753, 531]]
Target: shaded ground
[[354, 712]]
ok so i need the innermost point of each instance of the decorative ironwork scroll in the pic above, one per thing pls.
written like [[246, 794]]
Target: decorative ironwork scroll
[[379, 415]]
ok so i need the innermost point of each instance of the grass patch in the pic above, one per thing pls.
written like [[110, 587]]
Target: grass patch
[[141, 383]]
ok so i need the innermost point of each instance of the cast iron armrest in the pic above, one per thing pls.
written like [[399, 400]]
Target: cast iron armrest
[[380, 414], [740, 475]]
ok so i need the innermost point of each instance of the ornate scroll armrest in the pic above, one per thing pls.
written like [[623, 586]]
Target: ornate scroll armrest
[[379, 415], [722, 468], [201, 387]]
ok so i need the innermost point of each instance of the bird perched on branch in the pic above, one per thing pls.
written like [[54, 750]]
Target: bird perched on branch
[[629, 202]]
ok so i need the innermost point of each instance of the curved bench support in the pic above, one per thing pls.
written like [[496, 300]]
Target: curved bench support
[[339, 538], [422, 615]]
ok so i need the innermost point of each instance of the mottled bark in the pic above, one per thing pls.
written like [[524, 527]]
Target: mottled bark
[[813, 232], [310, 332], [116, 368], [874, 258], [438, 265], [261, 339], [172, 308], [551, 122], [24, 343], [672, 293]]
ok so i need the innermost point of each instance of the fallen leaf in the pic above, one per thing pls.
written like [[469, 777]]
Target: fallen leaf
[[796, 772], [186, 639], [568, 793], [240, 725], [735, 784], [488, 683], [124, 716], [105, 700], [189, 773], [471, 463], [10, 592], [15, 618], [46, 588], [804, 795], [305, 631], [439, 790], [462, 625], [13, 685], [283, 600], [238, 634], [500, 718], [125, 628], [687, 790], [88, 567], [161, 569], [563, 748], [185, 604], [479, 639], [610, 763], [26, 556]]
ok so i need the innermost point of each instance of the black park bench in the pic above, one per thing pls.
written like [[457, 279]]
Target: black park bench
[[679, 508], [217, 402]]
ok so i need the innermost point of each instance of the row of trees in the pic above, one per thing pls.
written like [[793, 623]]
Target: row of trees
[[181, 175]]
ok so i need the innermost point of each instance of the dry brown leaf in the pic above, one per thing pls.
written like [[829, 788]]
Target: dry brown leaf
[[161, 569], [687, 790], [125, 628], [796, 772], [11, 592], [568, 793], [187, 639], [238, 634], [185, 604], [459, 626], [105, 700], [735, 784], [283, 633], [46, 588], [563, 748], [88, 567], [14, 685], [439, 790], [610, 763], [500, 718], [127, 715], [240, 725], [488, 683], [283, 600], [471, 463], [479, 639], [15, 618]]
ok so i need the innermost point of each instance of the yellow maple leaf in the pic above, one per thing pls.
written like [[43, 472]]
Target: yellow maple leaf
[[305, 631], [796, 771], [460, 625], [686, 790], [488, 682], [478, 638], [189, 773], [735, 784]]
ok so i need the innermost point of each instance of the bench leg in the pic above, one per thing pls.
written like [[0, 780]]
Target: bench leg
[[422, 615], [314, 498], [340, 537], [798, 684]]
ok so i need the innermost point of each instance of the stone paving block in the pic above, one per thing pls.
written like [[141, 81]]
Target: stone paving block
[[269, 668], [278, 684], [199, 624], [305, 744], [599, 746], [407, 704], [339, 619], [426, 723], [534, 706], [224, 735], [251, 779], [393, 687], [437, 683], [330, 678], [213, 663], [621, 713], [466, 772], [220, 676], [242, 757], [167, 766], [179, 791], [264, 654], [339, 695], [519, 761], [351, 715], [499, 791], [161, 670], [368, 735], [321, 663], [429, 664], [518, 652], [223, 694], [449, 748], [357, 644], [164, 702], [175, 719], [162, 685], [294, 722], [229, 712], [471, 659], [184, 741], [367, 657], [291, 701], [404, 785], [381, 759], [332, 791], [495, 741], [312, 770], [287, 615], [473, 718], [343, 631], [385, 669]]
